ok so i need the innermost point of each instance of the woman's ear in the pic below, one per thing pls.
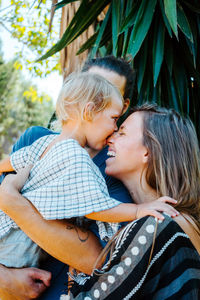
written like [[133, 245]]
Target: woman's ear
[[145, 156], [88, 111], [126, 105]]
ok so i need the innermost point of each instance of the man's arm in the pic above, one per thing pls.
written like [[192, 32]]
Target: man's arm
[[5, 165], [27, 283], [22, 284], [57, 237]]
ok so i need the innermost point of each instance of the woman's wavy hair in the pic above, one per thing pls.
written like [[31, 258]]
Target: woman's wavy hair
[[174, 158]]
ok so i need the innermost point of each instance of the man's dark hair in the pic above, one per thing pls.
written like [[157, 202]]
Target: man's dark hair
[[117, 65]]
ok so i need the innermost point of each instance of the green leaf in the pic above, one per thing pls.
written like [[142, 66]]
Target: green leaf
[[145, 91], [194, 8], [158, 50], [171, 13], [180, 81], [169, 56], [142, 64], [192, 50], [141, 26], [130, 17], [183, 23], [173, 98], [85, 16], [88, 44], [129, 5], [107, 36], [126, 32], [193, 47], [63, 3], [100, 34], [116, 12], [125, 43], [102, 51], [165, 18], [156, 97]]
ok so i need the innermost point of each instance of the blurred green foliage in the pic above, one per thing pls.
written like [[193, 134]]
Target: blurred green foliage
[[21, 105], [28, 22]]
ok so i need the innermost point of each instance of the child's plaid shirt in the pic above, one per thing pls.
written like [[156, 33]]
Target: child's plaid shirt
[[65, 183]]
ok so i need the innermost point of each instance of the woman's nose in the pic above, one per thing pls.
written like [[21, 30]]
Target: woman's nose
[[111, 138]]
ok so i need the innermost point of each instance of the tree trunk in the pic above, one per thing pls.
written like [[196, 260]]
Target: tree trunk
[[71, 62]]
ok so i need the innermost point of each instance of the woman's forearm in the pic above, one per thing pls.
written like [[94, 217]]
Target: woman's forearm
[[57, 237]]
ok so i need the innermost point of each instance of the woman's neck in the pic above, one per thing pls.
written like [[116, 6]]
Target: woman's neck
[[139, 190]]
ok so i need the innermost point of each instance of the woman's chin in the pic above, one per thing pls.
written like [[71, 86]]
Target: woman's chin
[[109, 170]]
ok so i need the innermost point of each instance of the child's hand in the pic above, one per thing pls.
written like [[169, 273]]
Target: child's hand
[[155, 207]]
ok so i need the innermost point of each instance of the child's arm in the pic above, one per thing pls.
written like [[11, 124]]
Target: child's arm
[[128, 212], [5, 165]]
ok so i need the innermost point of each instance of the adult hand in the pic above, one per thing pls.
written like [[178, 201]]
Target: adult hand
[[23, 284]]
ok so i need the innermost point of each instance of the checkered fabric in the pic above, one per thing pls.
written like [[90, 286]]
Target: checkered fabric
[[65, 183]]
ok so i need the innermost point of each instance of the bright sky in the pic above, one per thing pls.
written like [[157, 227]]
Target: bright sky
[[50, 84]]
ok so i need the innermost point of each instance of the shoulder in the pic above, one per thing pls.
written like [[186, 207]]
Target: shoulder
[[166, 237], [157, 243], [147, 229], [31, 135], [71, 151], [34, 133]]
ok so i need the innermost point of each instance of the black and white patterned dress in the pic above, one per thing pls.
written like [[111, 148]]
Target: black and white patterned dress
[[172, 272]]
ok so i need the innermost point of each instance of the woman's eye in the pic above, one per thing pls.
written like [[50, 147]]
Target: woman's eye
[[121, 133]]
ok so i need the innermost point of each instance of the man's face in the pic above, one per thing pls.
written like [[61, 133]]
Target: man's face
[[117, 80]]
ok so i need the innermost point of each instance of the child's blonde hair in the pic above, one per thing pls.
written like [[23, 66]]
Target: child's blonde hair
[[81, 88]]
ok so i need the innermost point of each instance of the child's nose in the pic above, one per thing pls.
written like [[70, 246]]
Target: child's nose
[[116, 128]]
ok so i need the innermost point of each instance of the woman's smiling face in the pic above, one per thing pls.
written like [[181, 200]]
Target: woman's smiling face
[[126, 150]]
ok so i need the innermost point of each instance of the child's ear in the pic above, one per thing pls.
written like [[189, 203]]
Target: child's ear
[[88, 111], [126, 105]]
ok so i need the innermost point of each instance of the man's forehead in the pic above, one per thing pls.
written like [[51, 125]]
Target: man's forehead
[[115, 78]]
